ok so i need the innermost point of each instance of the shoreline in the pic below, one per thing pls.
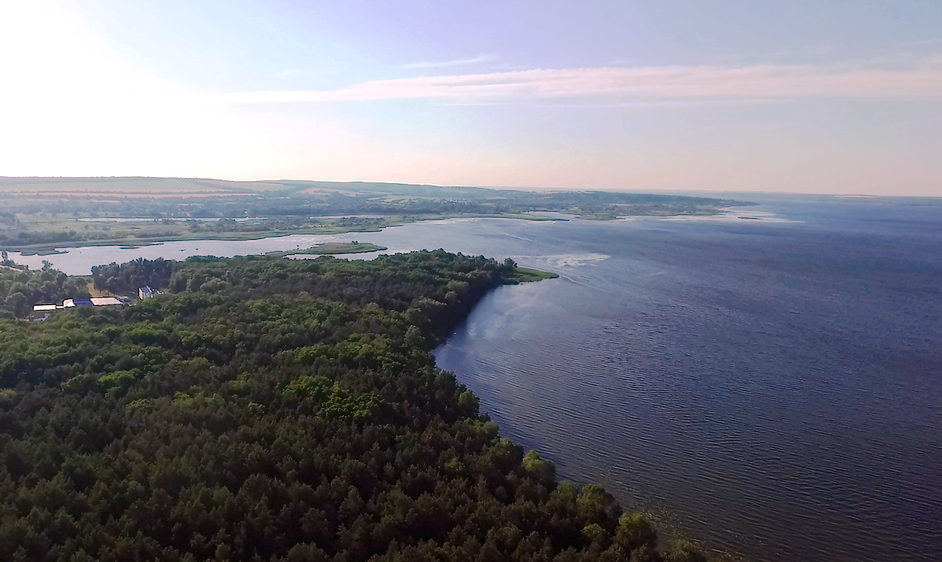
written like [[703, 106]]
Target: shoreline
[[46, 249]]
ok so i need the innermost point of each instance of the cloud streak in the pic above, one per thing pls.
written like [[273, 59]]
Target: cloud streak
[[443, 64], [636, 84]]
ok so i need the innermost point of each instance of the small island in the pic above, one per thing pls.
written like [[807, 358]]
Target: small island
[[332, 248], [43, 252], [327, 248]]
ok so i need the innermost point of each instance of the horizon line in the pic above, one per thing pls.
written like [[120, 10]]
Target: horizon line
[[468, 186]]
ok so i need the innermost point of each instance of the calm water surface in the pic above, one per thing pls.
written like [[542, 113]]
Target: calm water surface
[[772, 387]]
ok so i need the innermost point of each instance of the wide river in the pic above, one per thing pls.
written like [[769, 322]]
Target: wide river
[[770, 386]]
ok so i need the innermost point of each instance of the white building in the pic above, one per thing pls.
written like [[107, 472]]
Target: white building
[[42, 311], [147, 292]]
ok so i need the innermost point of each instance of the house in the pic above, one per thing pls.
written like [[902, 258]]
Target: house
[[77, 302], [42, 311], [105, 301], [147, 292]]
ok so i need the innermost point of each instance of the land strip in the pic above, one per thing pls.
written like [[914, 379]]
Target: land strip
[[330, 248], [41, 215]]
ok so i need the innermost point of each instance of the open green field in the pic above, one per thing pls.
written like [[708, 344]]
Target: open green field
[[189, 187], [128, 187]]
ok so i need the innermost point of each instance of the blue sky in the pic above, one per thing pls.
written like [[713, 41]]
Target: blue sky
[[819, 97]]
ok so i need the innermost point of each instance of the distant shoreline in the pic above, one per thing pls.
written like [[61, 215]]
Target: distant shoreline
[[53, 249]]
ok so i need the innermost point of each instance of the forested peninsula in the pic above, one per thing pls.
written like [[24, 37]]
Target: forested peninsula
[[269, 409]]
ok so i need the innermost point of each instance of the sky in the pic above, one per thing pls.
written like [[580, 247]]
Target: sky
[[825, 96]]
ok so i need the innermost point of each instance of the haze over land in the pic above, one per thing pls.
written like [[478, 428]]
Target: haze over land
[[809, 97], [41, 215]]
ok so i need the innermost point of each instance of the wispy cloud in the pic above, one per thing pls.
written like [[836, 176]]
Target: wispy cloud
[[443, 64], [803, 51], [636, 84]]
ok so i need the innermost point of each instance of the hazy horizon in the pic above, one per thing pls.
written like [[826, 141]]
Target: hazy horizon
[[843, 98], [697, 192]]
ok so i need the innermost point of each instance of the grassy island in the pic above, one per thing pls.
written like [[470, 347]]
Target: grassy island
[[43, 251], [329, 248]]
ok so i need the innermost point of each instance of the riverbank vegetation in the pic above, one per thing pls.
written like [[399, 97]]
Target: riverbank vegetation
[[41, 214], [279, 410], [526, 275]]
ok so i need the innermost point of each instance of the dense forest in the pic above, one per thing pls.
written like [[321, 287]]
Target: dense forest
[[268, 409]]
